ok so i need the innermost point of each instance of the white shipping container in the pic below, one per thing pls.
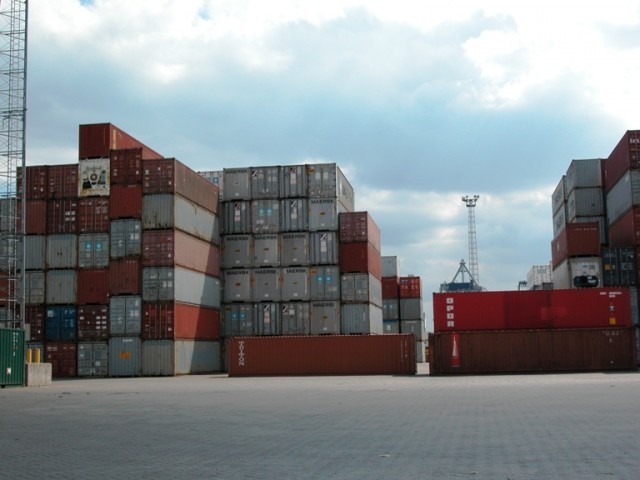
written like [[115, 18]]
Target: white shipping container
[[265, 182], [623, 195], [295, 284], [295, 318], [325, 318], [361, 318], [390, 266], [585, 202], [266, 250], [267, 285], [584, 174], [578, 272], [538, 275], [180, 357], [237, 251], [62, 251], [94, 177], [237, 285], [294, 249], [237, 184]]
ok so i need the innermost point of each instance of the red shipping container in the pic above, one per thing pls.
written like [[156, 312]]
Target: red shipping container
[[361, 257], [93, 322], [410, 287], [63, 181], [36, 217], [322, 355], [625, 156], [126, 166], [174, 247], [93, 215], [576, 240], [359, 227], [34, 317], [172, 320], [168, 175], [625, 232], [37, 182], [124, 276], [93, 286], [62, 216], [125, 201], [390, 287], [62, 357], [97, 141]]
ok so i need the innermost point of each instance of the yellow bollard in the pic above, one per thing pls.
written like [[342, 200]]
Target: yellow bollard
[[37, 359], [29, 355]]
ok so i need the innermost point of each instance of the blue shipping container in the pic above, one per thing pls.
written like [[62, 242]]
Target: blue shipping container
[[61, 323]]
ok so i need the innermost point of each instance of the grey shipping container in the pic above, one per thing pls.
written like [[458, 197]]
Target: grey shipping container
[[411, 309], [93, 359], [559, 196], [559, 220], [93, 250], [324, 282], [266, 285], [237, 251], [420, 351], [125, 315], [635, 307], [35, 288], [295, 284], [295, 318], [61, 287], [324, 214], [324, 248], [390, 326], [623, 195], [8, 212], [390, 266], [266, 250], [326, 180], [361, 288], [265, 182], [293, 181], [180, 357], [237, 183], [35, 248], [267, 318], [265, 216], [584, 174], [180, 285], [294, 249], [391, 308], [361, 318], [237, 285], [62, 251], [10, 248], [126, 238], [294, 215], [239, 320], [414, 326], [325, 318], [217, 178], [125, 357], [167, 211], [236, 217], [619, 267], [585, 202]]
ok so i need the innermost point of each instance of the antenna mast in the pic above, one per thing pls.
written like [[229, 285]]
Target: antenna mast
[[473, 245]]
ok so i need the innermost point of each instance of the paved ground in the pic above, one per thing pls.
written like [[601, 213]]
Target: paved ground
[[580, 426]]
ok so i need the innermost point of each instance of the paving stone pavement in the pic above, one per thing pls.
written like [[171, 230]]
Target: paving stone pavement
[[582, 426]]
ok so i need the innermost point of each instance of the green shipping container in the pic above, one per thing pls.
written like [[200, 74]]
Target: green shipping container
[[11, 357]]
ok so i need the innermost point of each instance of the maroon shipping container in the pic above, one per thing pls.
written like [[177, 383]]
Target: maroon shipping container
[[172, 320], [410, 287], [625, 232], [625, 156], [524, 351], [93, 215], [174, 247], [97, 141], [62, 216], [532, 309], [359, 227], [93, 286], [124, 276], [576, 240], [62, 181], [126, 166], [36, 217], [322, 355], [93, 322], [37, 182], [168, 175], [390, 287], [125, 201], [34, 317], [361, 257], [62, 357]]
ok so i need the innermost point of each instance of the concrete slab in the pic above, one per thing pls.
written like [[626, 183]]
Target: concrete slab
[[38, 374]]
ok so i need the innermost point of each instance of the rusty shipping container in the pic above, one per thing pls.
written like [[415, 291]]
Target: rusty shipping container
[[93, 286], [93, 322], [361, 257], [93, 215], [125, 202], [97, 140], [34, 317], [62, 357], [37, 182], [410, 287], [575, 240], [321, 355], [62, 181], [62, 216], [174, 320], [625, 156], [359, 227], [126, 166], [36, 217], [390, 287], [624, 195], [173, 247], [125, 276], [532, 351], [625, 231]]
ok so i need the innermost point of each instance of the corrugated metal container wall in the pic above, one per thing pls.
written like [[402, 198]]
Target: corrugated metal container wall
[[37, 182], [125, 201], [390, 326], [390, 309], [522, 351], [325, 318], [35, 283], [93, 250], [125, 315], [360, 258], [267, 285], [625, 231], [237, 285], [172, 247], [62, 181], [578, 272], [324, 248], [267, 318], [36, 223], [584, 174], [8, 249], [62, 251], [171, 320], [62, 357], [619, 267], [60, 287], [180, 285], [415, 327], [602, 226], [360, 288], [265, 182], [625, 156], [93, 286], [294, 215], [390, 266], [237, 251], [295, 284], [265, 216], [410, 287], [124, 276], [62, 216], [236, 217], [94, 177], [126, 238], [293, 181], [93, 215], [324, 283], [237, 185], [34, 317], [559, 195], [539, 275], [266, 250], [180, 357], [295, 318], [61, 323], [93, 322], [217, 178], [294, 249], [623, 195], [8, 212], [576, 239], [125, 357], [411, 309], [35, 252], [93, 359], [360, 318], [559, 220], [324, 214], [97, 140], [126, 166], [585, 202], [238, 320], [390, 287], [359, 227], [322, 355], [327, 181]]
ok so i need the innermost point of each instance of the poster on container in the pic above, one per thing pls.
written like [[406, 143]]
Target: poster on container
[[93, 178]]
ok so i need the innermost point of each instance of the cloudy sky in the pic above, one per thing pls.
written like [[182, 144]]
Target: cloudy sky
[[419, 103]]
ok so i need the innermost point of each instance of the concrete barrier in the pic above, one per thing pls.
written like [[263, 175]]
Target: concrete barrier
[[38, 374]]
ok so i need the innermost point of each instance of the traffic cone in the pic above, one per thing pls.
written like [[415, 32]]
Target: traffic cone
[[455, 353]]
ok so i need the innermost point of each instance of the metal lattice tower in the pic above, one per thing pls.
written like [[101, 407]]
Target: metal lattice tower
[[473, 245], [13, 102]]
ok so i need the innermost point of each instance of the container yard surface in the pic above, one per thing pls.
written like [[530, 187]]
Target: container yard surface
[[571, 426]]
